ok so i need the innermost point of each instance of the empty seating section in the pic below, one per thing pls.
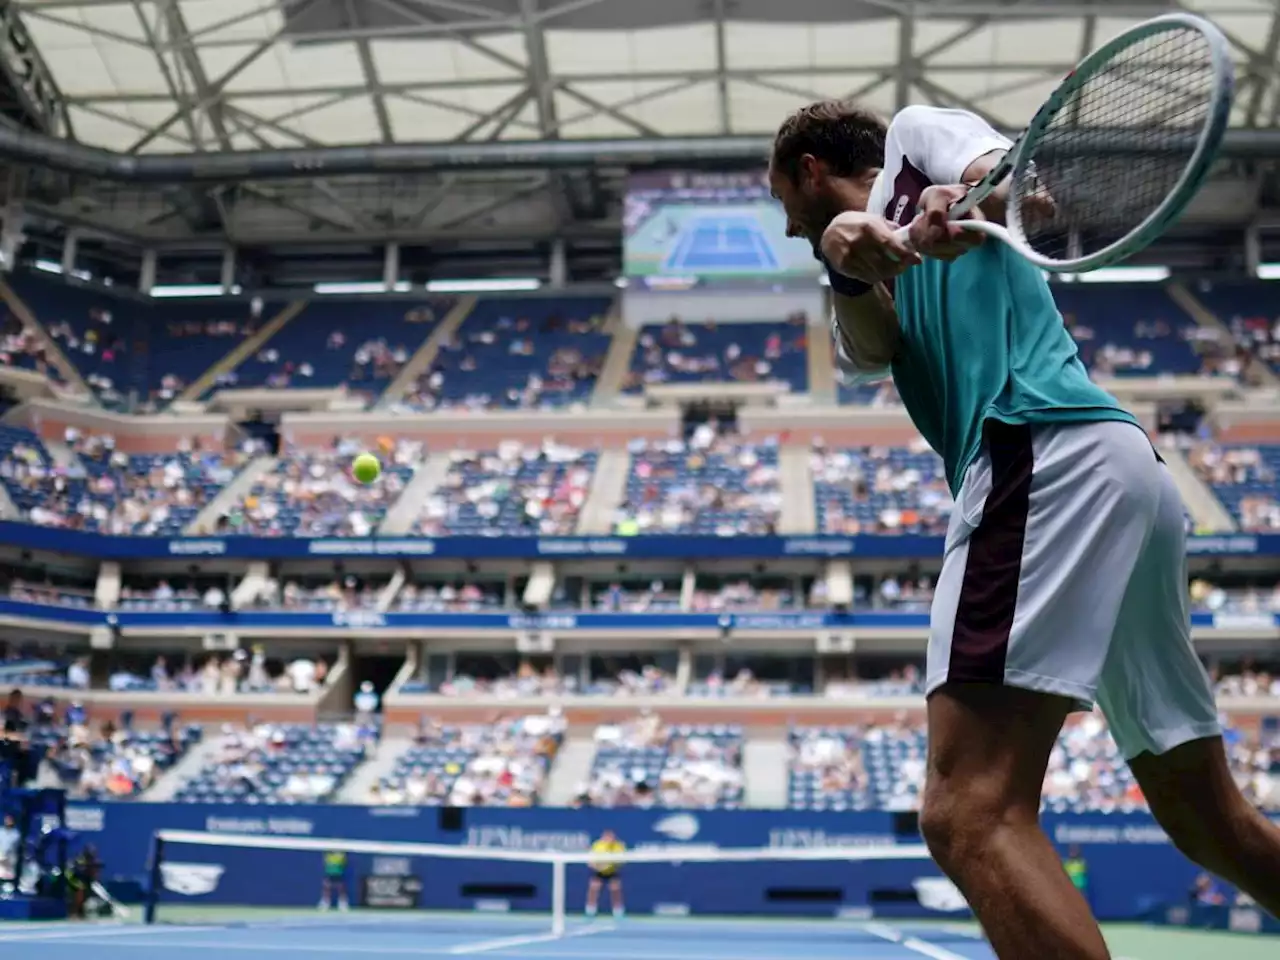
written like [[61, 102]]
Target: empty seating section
[[881, 490], [362, 343], [515, 490], [283, 763], [1251, 311], [706, 487], [679, 352], [645, 763], [1129, 329], [500, 764], [1244, 479], [123, 345], [311, 493], [519, 354]]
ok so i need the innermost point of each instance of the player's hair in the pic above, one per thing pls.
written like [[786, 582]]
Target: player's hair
[[849, 139]]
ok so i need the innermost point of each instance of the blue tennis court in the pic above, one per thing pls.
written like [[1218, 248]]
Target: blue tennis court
[[511, 938], [711, 243]]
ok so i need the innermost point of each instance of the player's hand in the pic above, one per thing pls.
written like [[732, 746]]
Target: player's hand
[[862, 246], [936, 236]]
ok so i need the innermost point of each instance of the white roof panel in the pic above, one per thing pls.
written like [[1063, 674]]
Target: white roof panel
[[248, 20], [349, 121], [118, 18], [320, 88], [418, 61], [572, 52]]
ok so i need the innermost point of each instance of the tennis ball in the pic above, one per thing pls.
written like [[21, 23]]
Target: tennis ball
[[366, 468]]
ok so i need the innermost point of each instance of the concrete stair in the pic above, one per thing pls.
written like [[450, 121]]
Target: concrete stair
[[571, 769], [426, 354], [764, 770], [617, 362], [8, 509], [608, 485], [62, 455], [822, 364], [230, 495], [171, 781], [54, 352], [799, 513], [402, 514], [239, 354], [356, 789]]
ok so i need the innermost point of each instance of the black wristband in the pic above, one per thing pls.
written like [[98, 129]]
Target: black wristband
[[845, 286]]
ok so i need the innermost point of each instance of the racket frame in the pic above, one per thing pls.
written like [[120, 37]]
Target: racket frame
[[1015, 160]]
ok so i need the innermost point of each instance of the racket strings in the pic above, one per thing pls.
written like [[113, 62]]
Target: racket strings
[[1117, 145]]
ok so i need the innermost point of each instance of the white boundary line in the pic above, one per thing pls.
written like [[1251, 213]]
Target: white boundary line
[[485, 946], [892, 935], [91, 932]]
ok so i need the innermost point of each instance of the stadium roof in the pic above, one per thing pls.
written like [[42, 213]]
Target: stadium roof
[[196, 76]]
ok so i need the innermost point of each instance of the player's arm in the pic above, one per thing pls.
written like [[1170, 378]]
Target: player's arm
[[861, 252], [866, 332]]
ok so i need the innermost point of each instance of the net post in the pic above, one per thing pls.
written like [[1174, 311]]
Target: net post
[[153, 880], [557, 897]]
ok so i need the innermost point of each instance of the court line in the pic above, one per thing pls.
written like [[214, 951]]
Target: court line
[[485, 946], [886, 932], [510, 952], [764, 250], [87, 932]]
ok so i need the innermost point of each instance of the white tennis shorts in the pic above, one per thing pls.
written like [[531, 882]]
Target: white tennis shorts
[[1065, 572]]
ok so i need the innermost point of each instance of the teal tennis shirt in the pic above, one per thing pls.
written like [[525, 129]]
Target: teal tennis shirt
[[981, 337]]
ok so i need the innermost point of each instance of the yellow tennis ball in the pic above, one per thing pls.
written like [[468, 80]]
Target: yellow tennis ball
[[366, 468]]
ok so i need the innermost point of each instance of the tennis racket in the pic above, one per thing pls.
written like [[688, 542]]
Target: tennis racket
[[1117, 151]]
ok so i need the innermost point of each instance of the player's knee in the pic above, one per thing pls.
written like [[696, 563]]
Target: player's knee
[[950, 823]]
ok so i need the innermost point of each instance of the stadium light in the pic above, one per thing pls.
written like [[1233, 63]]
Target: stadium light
[[496, 285], [1125, 275], [1268, 271], [52, 266], [359, 286], [193, 290]]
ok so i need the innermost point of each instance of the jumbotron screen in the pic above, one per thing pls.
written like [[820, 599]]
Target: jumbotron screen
[[682, 229]]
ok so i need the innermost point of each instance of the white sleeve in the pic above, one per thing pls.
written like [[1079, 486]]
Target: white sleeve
[[941, 143], [850, 371]]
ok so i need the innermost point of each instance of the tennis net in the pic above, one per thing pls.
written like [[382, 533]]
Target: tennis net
[[862, 883]]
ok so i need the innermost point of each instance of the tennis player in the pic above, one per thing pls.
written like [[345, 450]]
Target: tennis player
[[1064, 578], [606, 872]]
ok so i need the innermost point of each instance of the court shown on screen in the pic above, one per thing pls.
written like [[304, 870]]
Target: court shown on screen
[[720, 228]]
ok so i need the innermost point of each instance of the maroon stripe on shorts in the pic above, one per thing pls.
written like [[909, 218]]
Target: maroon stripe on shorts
[[993, 570]]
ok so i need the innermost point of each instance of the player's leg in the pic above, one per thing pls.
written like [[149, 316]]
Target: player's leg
[[1159, 702], [593, 894], [988, 750], [1044, 537], [326, 893], [615, 897], [341, 891]]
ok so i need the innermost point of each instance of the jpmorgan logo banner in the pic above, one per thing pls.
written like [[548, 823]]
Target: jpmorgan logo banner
[[191, 879]]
